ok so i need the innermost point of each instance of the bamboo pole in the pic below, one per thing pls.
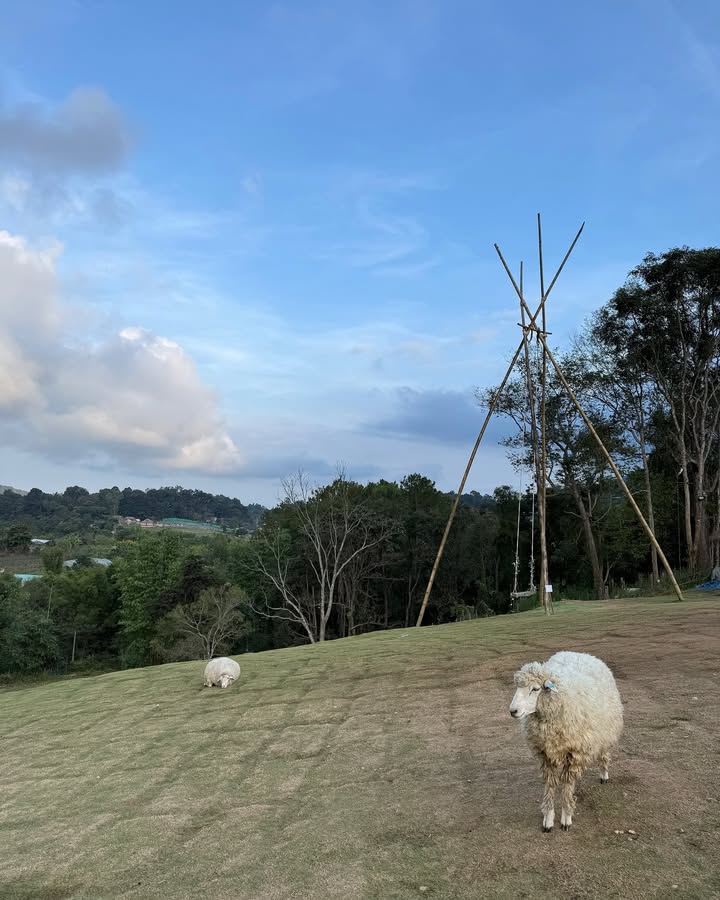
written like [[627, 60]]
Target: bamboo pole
[[456, 502], [542, 483]]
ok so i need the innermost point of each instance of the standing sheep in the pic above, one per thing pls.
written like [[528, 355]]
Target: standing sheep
[[221, 672], [572, 717]]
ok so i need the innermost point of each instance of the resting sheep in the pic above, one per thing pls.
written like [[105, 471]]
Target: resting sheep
[[221, 672], [572, 717]]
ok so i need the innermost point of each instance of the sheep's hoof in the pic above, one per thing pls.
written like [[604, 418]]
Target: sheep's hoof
[[566, 827], [547, 830]]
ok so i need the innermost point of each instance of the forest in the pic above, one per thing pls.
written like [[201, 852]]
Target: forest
[[77, 511], [345, 558]]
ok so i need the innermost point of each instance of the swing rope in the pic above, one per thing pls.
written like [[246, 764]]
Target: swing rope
[[516, 564]]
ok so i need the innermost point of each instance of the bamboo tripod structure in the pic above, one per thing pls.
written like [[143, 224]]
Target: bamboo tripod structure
[[529, 328]]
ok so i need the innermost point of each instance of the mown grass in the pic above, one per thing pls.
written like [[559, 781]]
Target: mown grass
[[382, 766]]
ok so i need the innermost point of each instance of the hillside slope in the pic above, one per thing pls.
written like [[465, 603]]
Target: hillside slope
[[380, 767]]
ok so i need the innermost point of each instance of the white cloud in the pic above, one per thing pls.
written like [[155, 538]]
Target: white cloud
[[134, 397]]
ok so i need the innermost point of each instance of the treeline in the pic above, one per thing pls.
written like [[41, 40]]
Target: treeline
[[77, 511], [328, 562], [341, 559]]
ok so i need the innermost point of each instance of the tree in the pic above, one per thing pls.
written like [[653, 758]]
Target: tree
[[303, 554], [85, 606], [151, 567], [624, 389], [52, 560], [18, 538], [28, 641], [575, 463], [665, 321], [212, 621]]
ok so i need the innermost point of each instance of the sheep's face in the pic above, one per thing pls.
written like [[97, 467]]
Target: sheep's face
[[226, 680], [531, 683]]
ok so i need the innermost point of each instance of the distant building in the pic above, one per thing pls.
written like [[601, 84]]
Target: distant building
[[98, 560]]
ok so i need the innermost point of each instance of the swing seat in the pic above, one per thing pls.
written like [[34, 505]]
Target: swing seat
[[516, 595]]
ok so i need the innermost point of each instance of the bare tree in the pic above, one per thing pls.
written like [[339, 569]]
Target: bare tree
[[288, 597], [304, 558], [212, 620]]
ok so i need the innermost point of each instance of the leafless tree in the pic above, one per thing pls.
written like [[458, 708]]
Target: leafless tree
[[335, 530], [212, 620]]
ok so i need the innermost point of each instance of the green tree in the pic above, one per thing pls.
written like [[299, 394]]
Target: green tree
[[52, 560], [28, 641], [665, 322], [151, 567], [575, 463], [18, 538]]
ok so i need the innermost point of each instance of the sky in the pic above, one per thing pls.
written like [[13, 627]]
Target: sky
[[242, 239]]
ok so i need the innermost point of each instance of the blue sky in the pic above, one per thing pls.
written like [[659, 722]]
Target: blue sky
[[242, 238]]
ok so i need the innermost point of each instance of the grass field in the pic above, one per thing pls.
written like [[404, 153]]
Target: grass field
[[381, 767]]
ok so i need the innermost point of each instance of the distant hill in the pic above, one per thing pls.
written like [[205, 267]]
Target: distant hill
[[6, 487], [76, 510]]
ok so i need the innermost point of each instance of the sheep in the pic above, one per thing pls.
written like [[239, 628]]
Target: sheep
[[572, 716], [221, 672]]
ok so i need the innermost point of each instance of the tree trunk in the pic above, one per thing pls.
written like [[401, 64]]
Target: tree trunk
[[689, 540], [409, 602], [590, 542], [700, 545], [650, 510]]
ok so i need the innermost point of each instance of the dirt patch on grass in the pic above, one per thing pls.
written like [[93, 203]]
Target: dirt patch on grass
[[379, 768]]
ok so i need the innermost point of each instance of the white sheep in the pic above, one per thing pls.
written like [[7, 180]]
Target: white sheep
[[572, 716], [221, 672]]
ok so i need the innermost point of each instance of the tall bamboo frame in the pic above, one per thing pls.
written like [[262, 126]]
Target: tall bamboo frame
[[530, 328]]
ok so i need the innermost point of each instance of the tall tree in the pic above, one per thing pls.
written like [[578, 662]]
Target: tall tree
[[151, 567], [629, 395], [666, 321]]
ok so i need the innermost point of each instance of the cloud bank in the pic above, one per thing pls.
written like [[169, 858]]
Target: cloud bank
[[133, 398]]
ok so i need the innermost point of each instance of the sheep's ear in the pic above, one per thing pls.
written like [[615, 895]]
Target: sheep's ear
[[550, 686]]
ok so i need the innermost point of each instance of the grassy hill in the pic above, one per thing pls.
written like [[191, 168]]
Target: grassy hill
[[381, 767]]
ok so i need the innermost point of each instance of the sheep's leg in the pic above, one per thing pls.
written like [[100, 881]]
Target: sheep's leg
[[547, 807], [604, 763], [567, 801], [572, 770]]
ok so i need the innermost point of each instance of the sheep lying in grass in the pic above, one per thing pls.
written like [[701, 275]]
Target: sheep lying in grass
[[221, 672], [572, 716]]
